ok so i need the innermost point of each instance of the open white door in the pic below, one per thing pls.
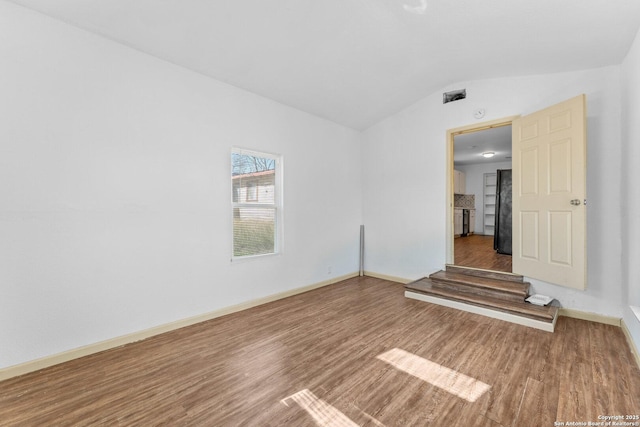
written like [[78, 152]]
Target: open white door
[[549, 190]]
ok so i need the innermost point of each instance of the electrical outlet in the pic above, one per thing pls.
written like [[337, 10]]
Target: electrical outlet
[[329, 270]]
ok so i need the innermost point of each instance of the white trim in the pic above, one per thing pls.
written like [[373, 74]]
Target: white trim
[[55, 359], [592, 317], [389, 278], [634, 350], [500, 315], [451, 133]]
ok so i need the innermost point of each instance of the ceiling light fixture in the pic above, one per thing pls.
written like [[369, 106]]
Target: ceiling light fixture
[[421, 9], [488, 154]]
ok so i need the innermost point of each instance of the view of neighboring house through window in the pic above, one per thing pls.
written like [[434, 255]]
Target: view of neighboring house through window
[[252, 191], [256, 199]]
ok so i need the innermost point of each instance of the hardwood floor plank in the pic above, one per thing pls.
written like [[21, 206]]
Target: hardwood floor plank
[[511, 371], [539, 405], [577, 389], [577, 346], [540, 364], [602, 366], [324, 344], [477, 251], [466, 414]]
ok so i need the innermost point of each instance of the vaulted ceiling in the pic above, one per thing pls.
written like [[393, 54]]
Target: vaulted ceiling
[[356, 62]]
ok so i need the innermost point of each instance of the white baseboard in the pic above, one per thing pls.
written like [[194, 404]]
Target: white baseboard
[[592, 317], [386, 277], [524, 321], [634, 350], [55, 359]]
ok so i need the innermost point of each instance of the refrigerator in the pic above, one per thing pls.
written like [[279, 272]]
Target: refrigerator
[[502, 233]]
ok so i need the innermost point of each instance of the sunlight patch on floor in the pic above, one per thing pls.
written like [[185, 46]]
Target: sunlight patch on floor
[[467, 388], [372, 419], [322, 413]]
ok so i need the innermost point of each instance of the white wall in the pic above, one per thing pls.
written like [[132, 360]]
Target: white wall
[[404, 178], [630, 194], [474, 176], [115, 191]]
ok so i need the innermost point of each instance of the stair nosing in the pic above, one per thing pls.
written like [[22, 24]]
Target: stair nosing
[[481, 272]]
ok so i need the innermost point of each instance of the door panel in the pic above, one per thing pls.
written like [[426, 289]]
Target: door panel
[[560, 166], [529, 233], [529, 171], [560, 238], [549, 172]]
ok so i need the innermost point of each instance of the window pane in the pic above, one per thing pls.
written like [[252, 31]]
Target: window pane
[[253, 178], [254, 230]]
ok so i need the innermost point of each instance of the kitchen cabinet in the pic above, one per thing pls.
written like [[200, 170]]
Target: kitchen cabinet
[[459, 182], [457, 222], [472, 221]]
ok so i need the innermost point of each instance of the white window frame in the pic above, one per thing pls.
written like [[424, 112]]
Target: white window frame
[[277, 203]]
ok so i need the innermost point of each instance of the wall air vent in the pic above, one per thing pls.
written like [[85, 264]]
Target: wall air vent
[[454, 95]]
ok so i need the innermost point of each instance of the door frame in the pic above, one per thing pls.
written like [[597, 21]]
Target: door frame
[[451, 133]]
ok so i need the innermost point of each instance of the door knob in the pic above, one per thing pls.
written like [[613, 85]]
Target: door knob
[[575, 202]]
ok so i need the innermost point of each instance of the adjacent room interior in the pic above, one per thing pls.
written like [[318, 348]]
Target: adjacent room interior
[[215, 213], [479, 157]]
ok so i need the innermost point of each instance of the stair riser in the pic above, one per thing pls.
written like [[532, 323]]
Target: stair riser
[[475, 290], [542, 325]]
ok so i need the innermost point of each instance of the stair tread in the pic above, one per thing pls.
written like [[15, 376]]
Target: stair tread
[[518, 288], [471, 271], [545, 313]]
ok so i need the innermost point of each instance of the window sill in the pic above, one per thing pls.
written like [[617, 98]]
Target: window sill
[[241, 260]]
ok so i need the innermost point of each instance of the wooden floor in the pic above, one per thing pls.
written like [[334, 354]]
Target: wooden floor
[[353, 353], [477, 251]]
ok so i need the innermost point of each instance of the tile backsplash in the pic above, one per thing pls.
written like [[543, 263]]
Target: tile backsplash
[[465, 201]]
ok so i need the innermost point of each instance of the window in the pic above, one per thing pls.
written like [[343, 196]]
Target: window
[[256, 202]]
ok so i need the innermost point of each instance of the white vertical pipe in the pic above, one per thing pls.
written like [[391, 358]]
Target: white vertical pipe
[[362, 250]]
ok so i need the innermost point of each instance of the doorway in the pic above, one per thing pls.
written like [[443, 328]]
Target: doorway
[[549, 192], [473, 189]]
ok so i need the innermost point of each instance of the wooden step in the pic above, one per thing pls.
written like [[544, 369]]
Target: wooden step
[[517, 312], [482, 286], [501, 275]]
